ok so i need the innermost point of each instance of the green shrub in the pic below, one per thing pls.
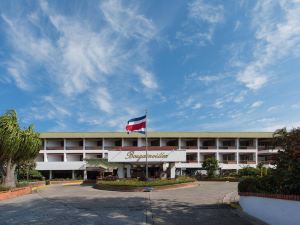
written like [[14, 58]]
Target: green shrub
[[22, 184], [248, 184], [249, 171], [137, 183]]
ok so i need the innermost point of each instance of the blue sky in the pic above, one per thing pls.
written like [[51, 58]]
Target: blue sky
[[194, 65]]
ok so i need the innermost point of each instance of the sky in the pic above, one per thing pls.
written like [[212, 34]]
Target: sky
[[199, 65]]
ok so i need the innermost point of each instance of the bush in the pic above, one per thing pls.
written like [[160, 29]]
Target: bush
[[249, 171], [248, 184], [2, 188], [137, 183]]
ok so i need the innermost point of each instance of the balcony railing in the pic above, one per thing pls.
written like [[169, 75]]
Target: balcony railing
[[74, 147], [93, 147], [192, 161], [208, 147], [247, 147], [264, 147], [229, 161], [266, 162], [143, 148], [247, 162], [189, 147], [227, 147], [55, 148]]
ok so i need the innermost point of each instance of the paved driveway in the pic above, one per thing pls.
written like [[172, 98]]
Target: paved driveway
[[85, 205]]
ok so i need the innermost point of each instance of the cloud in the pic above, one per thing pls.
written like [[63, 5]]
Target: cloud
[[146, 78], [256, 104], [103, 100], [277, 31], [79, 58], [200, 13], [127, 20], [197, 106]]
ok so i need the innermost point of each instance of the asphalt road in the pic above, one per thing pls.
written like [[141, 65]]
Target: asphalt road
[[77, 204]]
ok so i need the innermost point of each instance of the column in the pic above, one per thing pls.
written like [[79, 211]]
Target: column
[[172, 170], [121, 171], [65, 153], [256, 151], [179, 143], [73, 174], [50, 174], [85, 174], [83, 154], [128, 168], [45, 151], [217, 143]]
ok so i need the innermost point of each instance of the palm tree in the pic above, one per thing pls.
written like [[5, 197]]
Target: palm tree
[[16, 146]]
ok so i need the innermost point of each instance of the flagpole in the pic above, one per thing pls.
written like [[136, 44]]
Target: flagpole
[[146, 146]]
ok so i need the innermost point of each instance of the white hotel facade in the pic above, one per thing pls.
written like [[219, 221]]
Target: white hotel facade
[[64, 154]]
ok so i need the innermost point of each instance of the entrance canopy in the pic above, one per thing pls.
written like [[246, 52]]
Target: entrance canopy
[[153, 156]]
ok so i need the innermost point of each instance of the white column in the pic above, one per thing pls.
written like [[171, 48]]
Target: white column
[[45, 151], [121, 171], [198, 143], [73, 174], [179, 143], [103, 143], [217, 143], [84, 154], [50, 174], [198, 156], [128, 168], [172, 170], [65, 152], [85, 174], [238, 143]]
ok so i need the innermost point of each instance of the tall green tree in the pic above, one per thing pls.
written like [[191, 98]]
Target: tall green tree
[[287, 170], [210, 165], [16, 146]]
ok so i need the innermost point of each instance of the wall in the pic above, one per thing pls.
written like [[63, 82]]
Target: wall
[[272, 211]]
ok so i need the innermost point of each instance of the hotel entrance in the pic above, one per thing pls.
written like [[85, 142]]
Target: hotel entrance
[[139, 171]]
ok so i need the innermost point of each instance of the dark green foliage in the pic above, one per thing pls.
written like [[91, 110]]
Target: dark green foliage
[[285, 178], [249, 171], [210, 165]]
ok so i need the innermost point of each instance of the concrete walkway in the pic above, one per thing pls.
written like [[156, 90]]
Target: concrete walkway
[[84, 205]]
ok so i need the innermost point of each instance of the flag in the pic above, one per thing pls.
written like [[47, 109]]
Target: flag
[[137, 125]]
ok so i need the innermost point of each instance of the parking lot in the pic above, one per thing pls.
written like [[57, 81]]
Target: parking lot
[[76, 204]]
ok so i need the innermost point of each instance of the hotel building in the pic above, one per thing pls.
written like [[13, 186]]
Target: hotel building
[[66, 154]]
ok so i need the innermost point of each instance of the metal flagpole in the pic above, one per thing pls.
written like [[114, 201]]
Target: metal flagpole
[[146, 146]]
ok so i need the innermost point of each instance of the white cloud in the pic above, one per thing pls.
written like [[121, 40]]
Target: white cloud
[[237, 25], [81, 59], [203, 11], [276, 24], [257, 104], [103, 100], [127, 20], [146, 78], [197, 106]]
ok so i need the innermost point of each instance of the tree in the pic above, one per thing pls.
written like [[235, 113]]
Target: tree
[[210, 165], [16, 146], [287, 170]]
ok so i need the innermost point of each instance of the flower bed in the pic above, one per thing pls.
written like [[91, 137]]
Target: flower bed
[[12, 193], [134, 185], [152, 183]]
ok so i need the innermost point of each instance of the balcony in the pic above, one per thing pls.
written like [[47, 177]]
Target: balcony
[[208, 144], [93, 147], [246, 144], [227, 147], [247, 162], [55, 144], [247, 147], [229, 161], [189, 147], [143, 148]]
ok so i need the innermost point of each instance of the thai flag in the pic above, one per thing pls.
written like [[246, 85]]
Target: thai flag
[[137, 125]]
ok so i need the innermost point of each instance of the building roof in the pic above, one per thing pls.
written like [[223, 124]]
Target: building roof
[[156, 135]]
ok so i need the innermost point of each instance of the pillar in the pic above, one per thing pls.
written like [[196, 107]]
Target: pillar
[[128, 168], [172, 170], [121, 171], [73, 174], [85, 174], [50, 174]]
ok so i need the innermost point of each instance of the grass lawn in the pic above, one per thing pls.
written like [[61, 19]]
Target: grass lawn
[[137, 183]]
